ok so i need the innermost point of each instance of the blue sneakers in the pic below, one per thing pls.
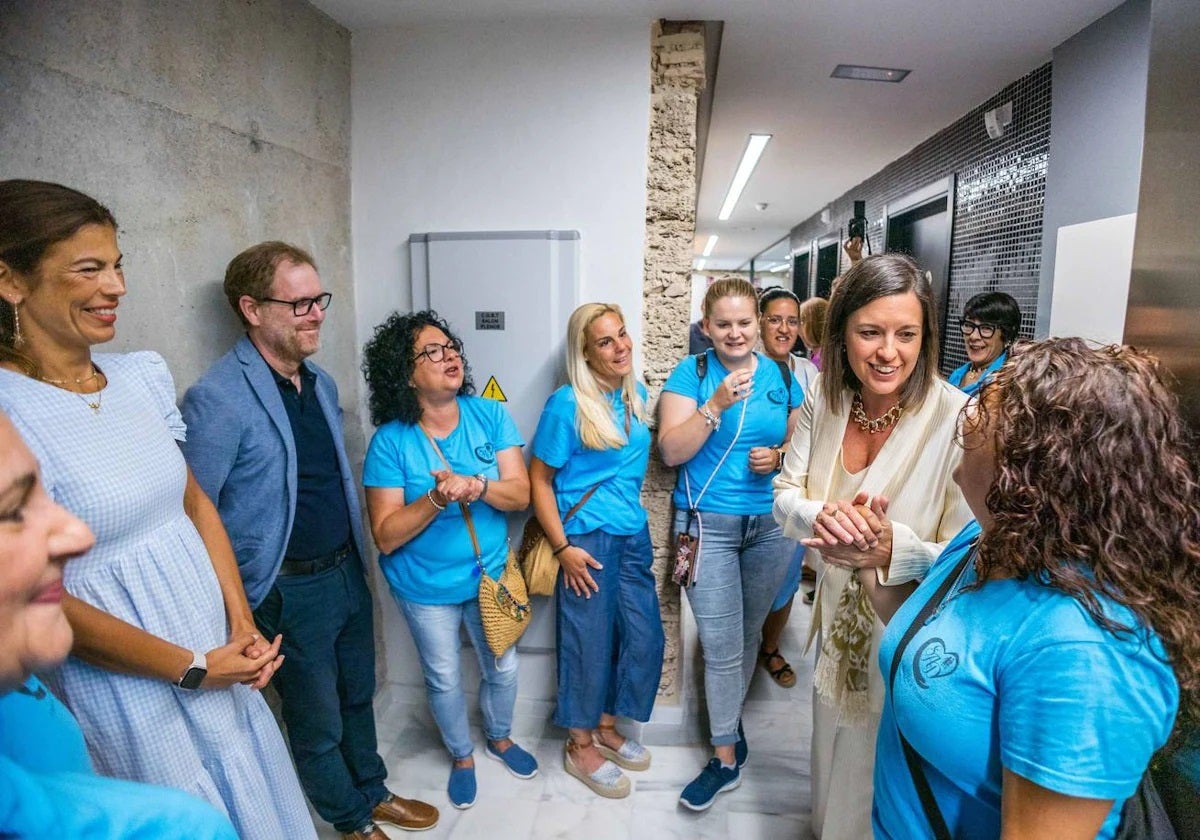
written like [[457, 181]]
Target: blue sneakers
[[520, 763], [461, 788], [741, 750], [713, 779]]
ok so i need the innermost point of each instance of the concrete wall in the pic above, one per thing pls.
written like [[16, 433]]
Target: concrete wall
[[1097, 122], [498, 126], [205, 128]]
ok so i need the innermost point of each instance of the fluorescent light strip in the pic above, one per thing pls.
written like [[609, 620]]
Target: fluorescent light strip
[[754, 150], [700, 265], [779, 267], [712, 243]]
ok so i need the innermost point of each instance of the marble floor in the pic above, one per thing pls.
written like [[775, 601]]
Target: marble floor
[[772, 802]]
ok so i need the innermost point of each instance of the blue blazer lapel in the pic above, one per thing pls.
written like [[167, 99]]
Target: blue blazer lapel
[[262, 384]]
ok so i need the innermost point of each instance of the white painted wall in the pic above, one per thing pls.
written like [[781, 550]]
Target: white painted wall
[[500, 127], [497, 126]]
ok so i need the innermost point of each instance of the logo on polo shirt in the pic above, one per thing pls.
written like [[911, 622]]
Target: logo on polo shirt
[[933, 661]]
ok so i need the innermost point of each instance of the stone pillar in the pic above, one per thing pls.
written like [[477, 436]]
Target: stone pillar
[[677, 78]]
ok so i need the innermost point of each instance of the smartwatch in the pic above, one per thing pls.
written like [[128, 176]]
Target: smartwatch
[[195, 673]]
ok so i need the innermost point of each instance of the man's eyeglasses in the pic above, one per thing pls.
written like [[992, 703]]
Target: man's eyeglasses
[[776, 320], [302, 306], [985, 330], [437, 352]]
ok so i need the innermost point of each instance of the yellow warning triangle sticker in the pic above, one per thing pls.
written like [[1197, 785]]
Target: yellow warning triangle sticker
[[492, 390]]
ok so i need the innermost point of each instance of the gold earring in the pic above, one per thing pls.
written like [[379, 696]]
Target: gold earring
[[18, 339]]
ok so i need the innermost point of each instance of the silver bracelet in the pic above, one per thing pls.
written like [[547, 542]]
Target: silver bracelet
[[710, 419], [433, 501], [484, 480]]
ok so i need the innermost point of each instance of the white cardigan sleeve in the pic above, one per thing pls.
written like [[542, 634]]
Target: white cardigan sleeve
[[943, 517]]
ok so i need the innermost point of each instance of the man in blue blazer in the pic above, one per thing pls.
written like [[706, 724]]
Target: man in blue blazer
[[265, 441]]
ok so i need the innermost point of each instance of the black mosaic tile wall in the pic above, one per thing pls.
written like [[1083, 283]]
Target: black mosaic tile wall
[[996, 242]]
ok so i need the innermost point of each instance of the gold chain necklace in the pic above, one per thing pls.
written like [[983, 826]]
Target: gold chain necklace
[[94, 374], [93, 404], [884, 421]]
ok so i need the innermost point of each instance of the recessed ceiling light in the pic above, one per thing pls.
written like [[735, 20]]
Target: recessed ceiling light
[[712, 243], [869, 74], [754, 150]]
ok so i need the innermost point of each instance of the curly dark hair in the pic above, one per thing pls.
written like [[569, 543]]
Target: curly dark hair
[[1094, 490], [388, 362]]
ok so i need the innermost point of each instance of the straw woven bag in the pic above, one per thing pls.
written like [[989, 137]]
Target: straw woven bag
[[504, 608], [536, 557]]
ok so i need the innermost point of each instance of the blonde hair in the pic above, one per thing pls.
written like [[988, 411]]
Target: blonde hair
[[732, 287], [812, 321], [593, 416]]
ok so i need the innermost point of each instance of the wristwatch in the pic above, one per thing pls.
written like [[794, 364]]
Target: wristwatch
[[195, 673]]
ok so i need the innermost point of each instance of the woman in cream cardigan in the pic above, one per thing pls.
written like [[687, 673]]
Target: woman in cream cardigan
[[867, 482]]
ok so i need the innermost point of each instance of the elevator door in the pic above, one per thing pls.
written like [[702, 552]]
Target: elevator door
[[800, 272], [827, 267], [919, 225]]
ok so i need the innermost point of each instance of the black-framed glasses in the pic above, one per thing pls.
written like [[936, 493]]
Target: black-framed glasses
[[302, 306], [984, 330], [437, 352]]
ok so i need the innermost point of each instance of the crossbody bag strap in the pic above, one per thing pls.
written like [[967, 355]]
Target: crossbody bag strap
[[466, 510], [575, 507], [701, 373], [928, 801]]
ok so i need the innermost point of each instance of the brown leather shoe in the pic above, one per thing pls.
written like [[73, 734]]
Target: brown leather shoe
[[408, 814], [370, 831]]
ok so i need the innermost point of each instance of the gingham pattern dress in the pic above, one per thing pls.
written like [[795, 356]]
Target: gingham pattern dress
[[119, 469]]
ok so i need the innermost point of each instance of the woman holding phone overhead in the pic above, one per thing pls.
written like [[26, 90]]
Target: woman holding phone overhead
[[722, 419]]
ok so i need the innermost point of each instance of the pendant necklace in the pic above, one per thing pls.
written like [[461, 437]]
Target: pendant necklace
[[93, 400], [884, 421]]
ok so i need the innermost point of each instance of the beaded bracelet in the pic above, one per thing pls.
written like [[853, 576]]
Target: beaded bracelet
[[710, 419], [433, 501]]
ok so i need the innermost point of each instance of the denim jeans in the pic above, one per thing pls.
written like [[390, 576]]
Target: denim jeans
[[791, 581], [743, 561], [434, 629], [610, 646], [326, 685]]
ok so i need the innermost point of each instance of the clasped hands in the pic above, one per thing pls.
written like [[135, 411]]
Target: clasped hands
[[855, 534], [453, 487], [247, 658]]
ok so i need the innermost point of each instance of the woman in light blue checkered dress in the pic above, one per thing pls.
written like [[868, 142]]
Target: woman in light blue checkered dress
[[158, 598]]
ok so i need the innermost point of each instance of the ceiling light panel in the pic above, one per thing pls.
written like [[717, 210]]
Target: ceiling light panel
[[869, 74], [708, 247], [754, 150]]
